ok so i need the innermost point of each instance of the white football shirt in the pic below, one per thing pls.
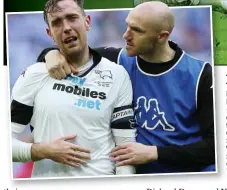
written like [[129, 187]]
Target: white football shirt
[[85, 106]]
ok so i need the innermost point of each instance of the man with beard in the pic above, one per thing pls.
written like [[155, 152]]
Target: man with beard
[[172, 95], [75, 122]]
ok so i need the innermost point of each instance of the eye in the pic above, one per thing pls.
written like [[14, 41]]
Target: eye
[[56, 23], [72, 17], [136, 29]]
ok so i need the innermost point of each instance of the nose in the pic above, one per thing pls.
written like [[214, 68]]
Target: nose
[[67, 26], [127, 34]]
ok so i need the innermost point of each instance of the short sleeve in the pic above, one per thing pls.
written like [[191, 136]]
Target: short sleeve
[[123, 111], [29, 82], [24, 93]]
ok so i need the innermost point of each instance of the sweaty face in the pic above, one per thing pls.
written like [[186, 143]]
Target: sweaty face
[[140, 37], [68, 27]]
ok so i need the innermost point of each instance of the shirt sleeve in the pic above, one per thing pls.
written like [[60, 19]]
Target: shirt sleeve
[[123, 111], [24, 92], [23, 96], [122, 121], [202, 153], [41, 57], [110, 53]]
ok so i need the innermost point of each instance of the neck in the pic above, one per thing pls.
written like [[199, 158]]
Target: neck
[[79, 59], [161, 53]]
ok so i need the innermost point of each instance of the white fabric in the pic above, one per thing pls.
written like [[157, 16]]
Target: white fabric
[[21, 151], [125, 170], [129, 135], [59, 111], [17, 128], [124, 137]]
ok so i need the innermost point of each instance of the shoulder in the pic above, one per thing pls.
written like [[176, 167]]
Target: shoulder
[[123, 58], [36, 69], [195, 60], [110, 53], [115, 69], [188, 63], [110, 64], [33, 75], [29, 82], [35, 72]]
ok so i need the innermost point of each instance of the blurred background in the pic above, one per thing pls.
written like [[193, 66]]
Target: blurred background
[[26, 38]]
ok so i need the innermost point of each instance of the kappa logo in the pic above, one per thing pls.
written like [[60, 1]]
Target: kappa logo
[[104, 74], [24, 72], [148, 115]]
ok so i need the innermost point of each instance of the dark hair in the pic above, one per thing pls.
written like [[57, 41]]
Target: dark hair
[[51, 6]]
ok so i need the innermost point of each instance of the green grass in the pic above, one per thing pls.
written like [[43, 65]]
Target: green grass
[[38, 5], [220, 37]]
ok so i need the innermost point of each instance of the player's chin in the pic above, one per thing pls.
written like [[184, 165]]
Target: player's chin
[[131, 53], [72, 49]]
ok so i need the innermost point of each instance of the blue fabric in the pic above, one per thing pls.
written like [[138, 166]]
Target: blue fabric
[[165, 106]]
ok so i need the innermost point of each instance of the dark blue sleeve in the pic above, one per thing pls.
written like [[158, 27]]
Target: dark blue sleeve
[[110, 53]]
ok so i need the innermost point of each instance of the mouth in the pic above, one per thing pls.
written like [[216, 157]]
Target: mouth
[[70, 39], [129, 44]]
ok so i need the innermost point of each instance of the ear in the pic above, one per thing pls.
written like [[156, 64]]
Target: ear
[[88, 22], [49, 33], [163, 36]]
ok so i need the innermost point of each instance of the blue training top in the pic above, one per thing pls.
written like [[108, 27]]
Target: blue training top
[[165, 106]]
